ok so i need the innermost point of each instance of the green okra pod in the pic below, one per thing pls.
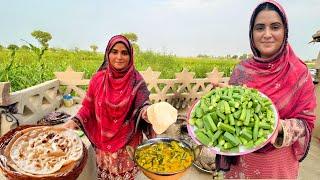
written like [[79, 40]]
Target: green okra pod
[[231, 139], [231, 119], [243, 114], [204, 139], [216, 135], [199, 123], [212, 125], [245, 134], [226, 107], [247, 119], [255, 130], [260, 141], [199, 112], [226, 127]]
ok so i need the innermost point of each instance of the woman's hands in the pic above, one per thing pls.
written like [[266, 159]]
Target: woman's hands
[[70, 124], [144, 114], [276, 138]]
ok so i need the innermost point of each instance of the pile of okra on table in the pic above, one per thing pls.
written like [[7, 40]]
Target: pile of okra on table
[[234, 116]]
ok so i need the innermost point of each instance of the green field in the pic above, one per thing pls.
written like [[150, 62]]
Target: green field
[[24, 69]]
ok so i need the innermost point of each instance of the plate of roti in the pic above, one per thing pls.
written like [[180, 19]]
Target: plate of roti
[[43, 151]]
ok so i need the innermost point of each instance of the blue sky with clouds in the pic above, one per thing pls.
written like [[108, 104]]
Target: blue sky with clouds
[[181, 27]]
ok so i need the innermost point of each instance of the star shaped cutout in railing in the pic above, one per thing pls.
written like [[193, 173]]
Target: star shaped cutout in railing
[[214, 76], [150, 76], [185, 76]]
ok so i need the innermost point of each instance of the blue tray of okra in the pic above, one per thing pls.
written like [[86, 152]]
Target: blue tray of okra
[[233, 120]]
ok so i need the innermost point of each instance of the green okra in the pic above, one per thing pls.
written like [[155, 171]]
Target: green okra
[[222, 116], [256, 118], [247, 119], [209, 94], [227, 145], [239, 123], [255, 130], [251, 124], [226, 121], [244, 104], [214, 117], [206, 123], [236, 96], [210, 135], [245, 134], [243, 140], [233, 116], [248, 129], [192, 121], [260, 141], [199, 123], [238, 130], [226, 98], [249, 104], [265, 125], [221, 106], [216, 135], [231, 119], [204, 139], [249, 145], [212, 125], [237, 114], [243, 114], [226, 107], [230, 92], [226, 127], [269, 114], [232, 103], [199, 112], [221, 141], [267, 103], [258, 108], [231, 139], [193, 114], [204, 106]]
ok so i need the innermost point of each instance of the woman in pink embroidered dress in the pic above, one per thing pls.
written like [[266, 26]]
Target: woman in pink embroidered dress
[[276, 71], [113, 109]]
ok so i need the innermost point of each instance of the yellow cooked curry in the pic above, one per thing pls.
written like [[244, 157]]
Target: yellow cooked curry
[[164, 157]]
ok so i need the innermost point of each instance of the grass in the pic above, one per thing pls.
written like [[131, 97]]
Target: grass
[[27, 70]]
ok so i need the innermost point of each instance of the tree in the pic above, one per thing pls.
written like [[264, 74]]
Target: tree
[[243, 56], [13, 47], [42, 37], [1, 47], [94, 47], [25, 47], [133, 38], [235, 57]]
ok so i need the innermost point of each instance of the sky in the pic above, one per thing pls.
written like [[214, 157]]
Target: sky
[[180, 27]]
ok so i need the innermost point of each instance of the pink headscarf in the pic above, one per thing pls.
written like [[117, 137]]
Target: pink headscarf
[[113, 101], [285, 79]]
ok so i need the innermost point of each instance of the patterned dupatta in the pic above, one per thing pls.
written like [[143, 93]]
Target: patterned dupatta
[[113, 102], [285, 79]]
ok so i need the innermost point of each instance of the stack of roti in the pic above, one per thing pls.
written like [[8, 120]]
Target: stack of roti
[[44, 150], [161, 115]]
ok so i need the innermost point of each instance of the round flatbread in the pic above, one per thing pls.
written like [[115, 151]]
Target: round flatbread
[[161, 115], [44, 150]]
